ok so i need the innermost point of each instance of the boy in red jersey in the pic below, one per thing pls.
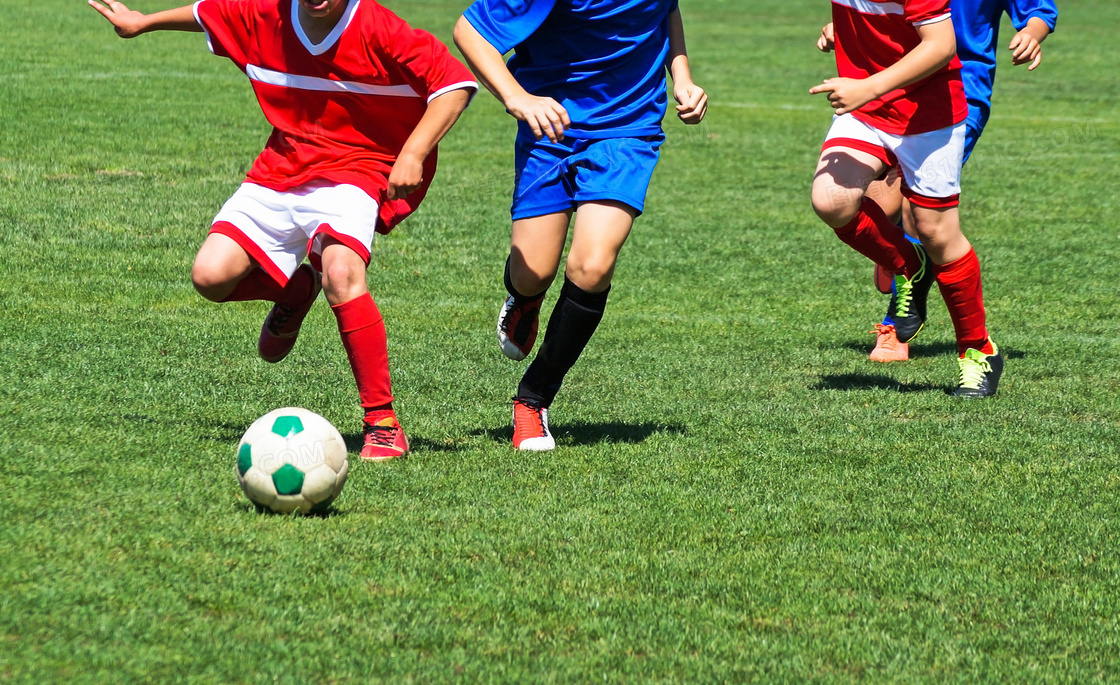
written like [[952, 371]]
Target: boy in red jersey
[[900, 100], [358, 101]]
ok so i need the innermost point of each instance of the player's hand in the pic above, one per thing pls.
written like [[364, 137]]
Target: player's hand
[[545, 116], [406, 176], [827, 41], [693, 102], [845, 94], [1025, 48], [128, 23]]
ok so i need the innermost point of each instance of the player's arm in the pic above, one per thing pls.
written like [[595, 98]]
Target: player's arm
[[130, 23], [692, 101], [442, 113], [937, 47], [545, 116], [1034, 20], [1026, 45]]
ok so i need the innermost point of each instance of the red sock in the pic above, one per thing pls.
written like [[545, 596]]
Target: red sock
[[363, 336], [872, 234], [960, 287], [258, 285]]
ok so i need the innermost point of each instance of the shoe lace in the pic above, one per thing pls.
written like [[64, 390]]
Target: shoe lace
[[279, 318], [381, 436], [904, 293], [904, 287], [973, 370], [535, 411], [882, 329]]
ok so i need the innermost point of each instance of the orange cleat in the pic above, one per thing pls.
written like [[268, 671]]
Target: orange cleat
[[887, 346]]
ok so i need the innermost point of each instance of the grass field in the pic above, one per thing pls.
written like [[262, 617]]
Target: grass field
[[738, 493]]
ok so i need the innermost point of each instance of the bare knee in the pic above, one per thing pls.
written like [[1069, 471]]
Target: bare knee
[[835, 205], [343, 280], [219, 266], [592, 273], [214, 281], [530, 277]]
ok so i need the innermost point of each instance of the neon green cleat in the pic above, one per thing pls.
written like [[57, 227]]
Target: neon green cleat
[[979, 373]]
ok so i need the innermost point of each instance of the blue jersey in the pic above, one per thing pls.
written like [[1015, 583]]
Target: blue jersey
[[602, 60], [976, 23]]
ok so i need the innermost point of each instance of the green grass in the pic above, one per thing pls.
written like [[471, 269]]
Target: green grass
[[738, 494]]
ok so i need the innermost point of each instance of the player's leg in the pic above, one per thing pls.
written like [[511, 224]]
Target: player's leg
[[601, 228], [362, 330], [254, 252], [839, 197], [541, 211], [887, 193], [536, 244], [932, 165], [958, 277], [221, 265]]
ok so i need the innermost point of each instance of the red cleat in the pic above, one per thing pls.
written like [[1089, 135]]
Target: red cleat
[[281, 326], [384, 439], [517, 327], [530, 427]]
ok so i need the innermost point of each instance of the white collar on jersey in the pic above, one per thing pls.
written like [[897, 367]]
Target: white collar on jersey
[[332, 37]]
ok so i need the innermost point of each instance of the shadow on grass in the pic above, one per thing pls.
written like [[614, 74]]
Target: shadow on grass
[[247, 507], [859, 381], [916, 350], [930, 350], [586, 434], [354, 442]]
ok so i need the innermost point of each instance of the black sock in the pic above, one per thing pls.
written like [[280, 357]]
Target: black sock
[[574, 319], [518, 297]]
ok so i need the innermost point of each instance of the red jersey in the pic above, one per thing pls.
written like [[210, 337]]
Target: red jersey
[[872, 35], [342, 109]]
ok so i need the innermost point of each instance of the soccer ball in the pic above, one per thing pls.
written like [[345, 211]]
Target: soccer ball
[[290, 460]]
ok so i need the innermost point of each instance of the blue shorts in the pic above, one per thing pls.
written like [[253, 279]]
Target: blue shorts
[[555, 177]]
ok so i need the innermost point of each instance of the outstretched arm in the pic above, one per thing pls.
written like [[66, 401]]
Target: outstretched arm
[[130, 23], [692, 101], [441, 115], [545, 116], [937, 48]]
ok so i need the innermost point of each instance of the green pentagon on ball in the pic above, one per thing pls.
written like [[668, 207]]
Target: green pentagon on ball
[[288, 480], [287, 426], [244, 459]]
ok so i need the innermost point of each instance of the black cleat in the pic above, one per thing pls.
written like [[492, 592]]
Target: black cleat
[[979, 373], [908, 302]]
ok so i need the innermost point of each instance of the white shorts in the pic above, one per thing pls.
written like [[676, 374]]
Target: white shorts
[[278, 229], [930, 162]]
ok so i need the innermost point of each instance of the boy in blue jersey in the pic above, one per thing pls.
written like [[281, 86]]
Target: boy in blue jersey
[[976, 25], [587, 86]]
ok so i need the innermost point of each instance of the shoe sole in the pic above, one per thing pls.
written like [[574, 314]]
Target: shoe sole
[[509, 349], [907, 341], [536, 445], [384, 458]]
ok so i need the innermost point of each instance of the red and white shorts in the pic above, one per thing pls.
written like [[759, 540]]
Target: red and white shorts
[[930, 162], [278, 229]]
